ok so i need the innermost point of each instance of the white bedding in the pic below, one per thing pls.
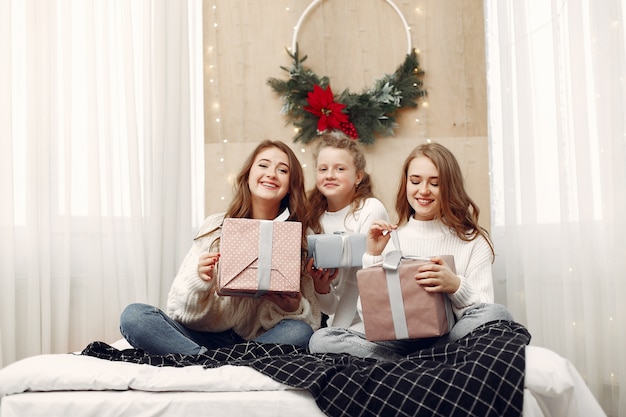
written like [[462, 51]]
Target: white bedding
[[70, 384], [161, 404]]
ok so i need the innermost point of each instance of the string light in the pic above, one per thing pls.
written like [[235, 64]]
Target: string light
[[418, 25], [212, 75], [211, 71]]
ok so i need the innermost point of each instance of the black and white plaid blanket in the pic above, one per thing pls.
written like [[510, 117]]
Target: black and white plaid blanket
[[480, 375]]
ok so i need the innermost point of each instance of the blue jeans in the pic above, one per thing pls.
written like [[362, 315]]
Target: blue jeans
[[339, 340], [148, 328]]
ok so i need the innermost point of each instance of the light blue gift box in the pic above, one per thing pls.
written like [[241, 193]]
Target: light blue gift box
[[336, 250]]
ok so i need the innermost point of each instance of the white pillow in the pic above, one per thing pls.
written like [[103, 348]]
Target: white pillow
[[557, 387], [61, 372], [547, 373], [58, 372]]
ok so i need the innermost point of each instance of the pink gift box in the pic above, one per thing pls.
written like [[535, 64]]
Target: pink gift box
[[259, 256], [395, 307]]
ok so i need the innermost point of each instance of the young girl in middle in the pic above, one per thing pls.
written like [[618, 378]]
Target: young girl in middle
[[342, 201]]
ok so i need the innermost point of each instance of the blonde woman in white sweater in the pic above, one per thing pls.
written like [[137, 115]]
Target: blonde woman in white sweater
[[270, 186], [436, 217], [342, 201]]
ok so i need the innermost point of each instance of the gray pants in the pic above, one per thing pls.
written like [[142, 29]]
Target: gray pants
[[340, 340]]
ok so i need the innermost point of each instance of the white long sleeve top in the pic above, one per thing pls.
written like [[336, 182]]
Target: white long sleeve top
[[472, 259], [196, 304], [341, 302]]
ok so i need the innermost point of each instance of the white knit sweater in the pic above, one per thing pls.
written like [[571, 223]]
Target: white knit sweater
[[196, 304], [473, 259], [341, 302]]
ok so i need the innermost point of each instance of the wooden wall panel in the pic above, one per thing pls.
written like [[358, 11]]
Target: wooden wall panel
[[353, 42]]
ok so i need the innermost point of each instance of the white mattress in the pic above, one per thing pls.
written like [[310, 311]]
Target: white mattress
[[162, 404], [75, 385]]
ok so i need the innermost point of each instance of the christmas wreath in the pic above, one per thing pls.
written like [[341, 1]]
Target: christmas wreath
[[311, 106]]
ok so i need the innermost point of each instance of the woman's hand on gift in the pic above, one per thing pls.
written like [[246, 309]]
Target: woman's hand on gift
[[377, 236], [288, 303], [206, 265], [321, 277], [436, 276]]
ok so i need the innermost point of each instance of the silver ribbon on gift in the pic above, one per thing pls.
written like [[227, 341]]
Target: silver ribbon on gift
[[346, 250], [264, 271], [395, 295], [391, 263], [349, 297]]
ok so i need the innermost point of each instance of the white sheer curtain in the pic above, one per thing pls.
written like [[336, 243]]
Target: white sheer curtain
[[557, 101], [101, 163]]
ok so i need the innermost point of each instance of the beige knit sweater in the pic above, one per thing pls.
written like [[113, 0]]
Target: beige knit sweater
[[196, 304]]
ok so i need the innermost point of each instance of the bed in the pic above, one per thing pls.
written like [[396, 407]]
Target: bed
[[493, 371]]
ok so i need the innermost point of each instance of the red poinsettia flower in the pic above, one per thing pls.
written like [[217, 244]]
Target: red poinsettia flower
[[322, 105]]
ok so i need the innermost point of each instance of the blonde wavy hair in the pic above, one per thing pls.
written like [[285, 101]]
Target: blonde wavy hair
[[318, 203]]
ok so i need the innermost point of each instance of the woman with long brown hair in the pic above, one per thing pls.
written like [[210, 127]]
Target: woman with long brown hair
[[270, 186]]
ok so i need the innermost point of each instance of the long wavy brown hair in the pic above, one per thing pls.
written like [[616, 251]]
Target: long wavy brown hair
[[318, 204], [458, 210], [295, 200]]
